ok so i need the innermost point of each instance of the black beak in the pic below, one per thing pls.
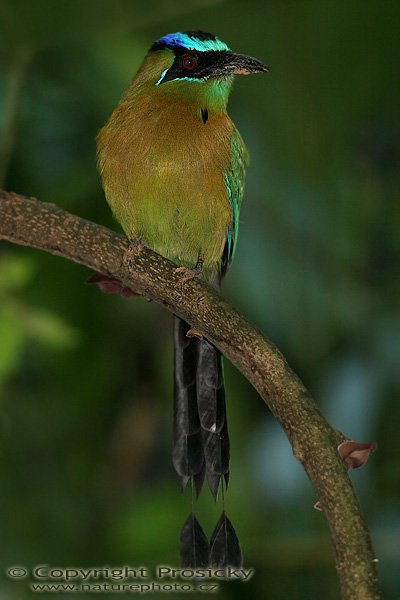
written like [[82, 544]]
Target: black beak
[[228, 63]]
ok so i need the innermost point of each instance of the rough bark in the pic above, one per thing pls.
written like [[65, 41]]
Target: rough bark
[[29, 222]]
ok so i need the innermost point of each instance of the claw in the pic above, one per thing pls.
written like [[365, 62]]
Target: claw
[[191, 273], [187, 274]]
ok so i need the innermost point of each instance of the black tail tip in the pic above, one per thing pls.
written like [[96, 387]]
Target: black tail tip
[[194, 548]]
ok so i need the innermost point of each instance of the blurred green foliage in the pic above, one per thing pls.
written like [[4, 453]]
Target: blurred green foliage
[[85, 379]]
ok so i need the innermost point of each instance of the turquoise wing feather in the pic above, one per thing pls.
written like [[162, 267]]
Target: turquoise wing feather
[[234, 182]]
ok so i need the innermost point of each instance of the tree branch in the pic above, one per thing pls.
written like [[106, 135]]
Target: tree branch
[[29, 222]]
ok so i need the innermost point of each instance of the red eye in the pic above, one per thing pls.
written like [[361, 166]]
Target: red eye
[[189, 62]]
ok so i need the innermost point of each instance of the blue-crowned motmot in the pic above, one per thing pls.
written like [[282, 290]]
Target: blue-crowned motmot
[[173, 165]]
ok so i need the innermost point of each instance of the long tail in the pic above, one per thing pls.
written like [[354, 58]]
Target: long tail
[[201, 442], [187, 454]]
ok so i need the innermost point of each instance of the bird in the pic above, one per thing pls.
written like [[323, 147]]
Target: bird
[[172, 165]]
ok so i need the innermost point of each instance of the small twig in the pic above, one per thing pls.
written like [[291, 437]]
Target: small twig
[[28, 222]]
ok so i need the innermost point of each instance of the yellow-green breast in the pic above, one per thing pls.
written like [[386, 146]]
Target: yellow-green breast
[[163, 173]]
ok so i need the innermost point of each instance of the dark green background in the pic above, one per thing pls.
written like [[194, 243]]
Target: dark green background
[[85, 379]]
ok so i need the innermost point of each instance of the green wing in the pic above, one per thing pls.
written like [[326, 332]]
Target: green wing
[[234, 181]]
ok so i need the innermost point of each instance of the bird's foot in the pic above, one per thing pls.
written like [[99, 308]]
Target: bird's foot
[[111, 285], [135, 247], [188, 274]]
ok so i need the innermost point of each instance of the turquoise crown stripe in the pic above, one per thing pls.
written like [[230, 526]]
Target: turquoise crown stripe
[[191, 43]]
